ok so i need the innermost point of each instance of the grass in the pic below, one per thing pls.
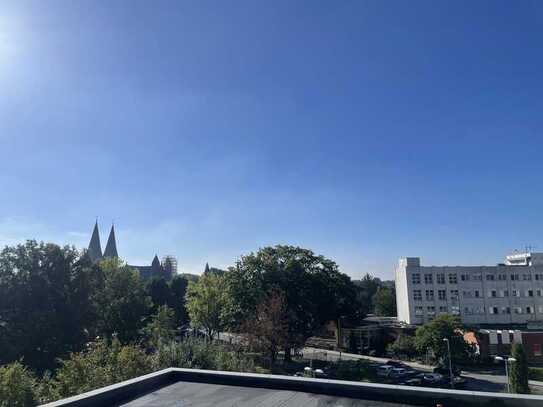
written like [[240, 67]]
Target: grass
[[535, 373]]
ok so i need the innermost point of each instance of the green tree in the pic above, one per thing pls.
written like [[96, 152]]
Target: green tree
[[178, 288], [159, 291], [123, 303], [17, 386], [206, 303], [431, 335], [404, 345], [519, 370], [367, 288], [314, 290], [47, 302], [384, 301], [161, 328]]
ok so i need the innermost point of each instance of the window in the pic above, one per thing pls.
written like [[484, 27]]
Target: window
[[506, 310], [418, 311], [442, 309], [453, 279], [538, 293], [514, 277], [455, 310], [454, 294], [539, 277], [428, 279], [504, 293], [464, 277], [431, 310], [476, 293], [417, 295], [490, 277], [529, 310], [492, 310], [518, 310], [429, 295], [415, 278], [441, 278], [541, 309], [441, 295], [492, 293], [537, 349], [527, 277], [477, 277], [468, 310], [530, 293], [502, 277], [480, 310], [515, 293], [467, 294]]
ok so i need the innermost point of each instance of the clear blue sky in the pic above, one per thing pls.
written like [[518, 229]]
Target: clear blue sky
[[364, 130]]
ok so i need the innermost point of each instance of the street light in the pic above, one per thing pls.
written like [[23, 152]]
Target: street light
[[450, 363], [507, 361]]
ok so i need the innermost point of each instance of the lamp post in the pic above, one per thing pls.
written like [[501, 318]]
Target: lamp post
[[446, 340], [507, 361]]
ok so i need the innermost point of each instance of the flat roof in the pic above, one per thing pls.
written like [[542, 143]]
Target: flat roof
[[205, 394]]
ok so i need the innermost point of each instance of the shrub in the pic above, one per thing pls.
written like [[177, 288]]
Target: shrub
[[519, 370], [17, 386]]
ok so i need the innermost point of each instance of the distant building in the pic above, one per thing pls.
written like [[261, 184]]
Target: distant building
[[507, 294], [166, 269]]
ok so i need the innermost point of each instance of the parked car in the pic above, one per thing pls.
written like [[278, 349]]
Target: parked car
[[412, 382], [433, 379], [384, 370], [396, 363], [444, 370], [397, 372]]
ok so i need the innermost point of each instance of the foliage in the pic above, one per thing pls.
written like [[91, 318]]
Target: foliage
[[367, 288], [384, 301], [535, 373], [47, 302], [353, 346], [178, 290], [519, 370], [17, 386], [102, 364], [404, 345], [355, 370], [122, 303], [206, 303], [196, 353], [314, 290], [431, 335], [267, 331], [161, 328]]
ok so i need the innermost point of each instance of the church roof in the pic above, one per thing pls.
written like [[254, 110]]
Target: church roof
[[95, 249], [111, 246]]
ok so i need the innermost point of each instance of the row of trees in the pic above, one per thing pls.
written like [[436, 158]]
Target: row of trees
[[53, 301]]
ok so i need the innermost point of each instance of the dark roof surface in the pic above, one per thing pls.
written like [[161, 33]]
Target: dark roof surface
[[204, 394]]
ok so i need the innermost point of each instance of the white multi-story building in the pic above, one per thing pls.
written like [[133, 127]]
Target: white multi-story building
[[510, 293]]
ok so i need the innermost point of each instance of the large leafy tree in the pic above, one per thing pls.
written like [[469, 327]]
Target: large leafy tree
[[432, 335], [519, 370], [206, 303], [367, 288], [123, 303], [178, 290], [313, 288], [384, 301], [47, 302]]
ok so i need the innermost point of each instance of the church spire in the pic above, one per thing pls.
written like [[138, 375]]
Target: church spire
[[111, 246], [95, 249]]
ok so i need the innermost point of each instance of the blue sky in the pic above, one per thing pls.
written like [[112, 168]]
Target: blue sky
[[364, 130]]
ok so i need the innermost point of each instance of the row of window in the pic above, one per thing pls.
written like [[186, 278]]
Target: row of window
[[453, 278], [442, 294], [455, 310]]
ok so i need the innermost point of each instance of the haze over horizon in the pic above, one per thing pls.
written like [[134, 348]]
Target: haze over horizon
[[362, 130]]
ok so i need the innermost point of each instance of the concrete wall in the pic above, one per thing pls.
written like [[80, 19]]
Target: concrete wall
[[131, 389]]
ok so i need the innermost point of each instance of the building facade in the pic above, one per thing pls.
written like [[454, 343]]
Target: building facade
[[506, 294]]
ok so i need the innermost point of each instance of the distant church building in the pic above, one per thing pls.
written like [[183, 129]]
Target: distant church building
[[166, 269]]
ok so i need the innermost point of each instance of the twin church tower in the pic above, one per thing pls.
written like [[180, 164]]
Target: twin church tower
[[166, 269]]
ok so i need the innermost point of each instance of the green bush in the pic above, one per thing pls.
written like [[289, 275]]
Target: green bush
[[519, 370], [535, 373], [17, 386], [356, 370]]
